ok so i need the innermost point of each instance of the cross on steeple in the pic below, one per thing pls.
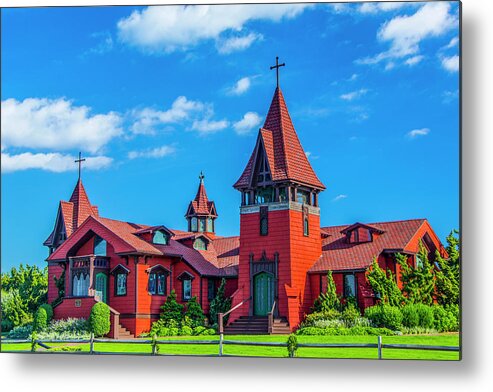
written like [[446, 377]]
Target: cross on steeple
[[79, 161], [201, 176], [277, 66]]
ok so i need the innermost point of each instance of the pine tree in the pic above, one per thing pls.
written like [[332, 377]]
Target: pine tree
[[384, 284], [195, 313], [329, 299], [172, 310], [448, 273], [220, 304]]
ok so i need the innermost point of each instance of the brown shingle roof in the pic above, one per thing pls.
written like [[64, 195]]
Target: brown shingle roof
[[286, 157], [338, 255]]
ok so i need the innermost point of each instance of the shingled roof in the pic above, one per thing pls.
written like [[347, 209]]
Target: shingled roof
[[201, 204], [285, 155], [338, 255]]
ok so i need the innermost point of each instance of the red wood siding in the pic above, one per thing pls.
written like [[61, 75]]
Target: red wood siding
[[53, 270]]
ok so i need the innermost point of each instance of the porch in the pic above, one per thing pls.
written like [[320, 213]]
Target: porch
[[88, 277]]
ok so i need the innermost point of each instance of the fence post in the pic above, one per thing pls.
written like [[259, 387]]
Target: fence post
[[220, 323], [154, 345], [91, 344], [379, 347], [221, 337]]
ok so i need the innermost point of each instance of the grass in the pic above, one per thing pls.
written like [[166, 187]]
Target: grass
[[256, 351]]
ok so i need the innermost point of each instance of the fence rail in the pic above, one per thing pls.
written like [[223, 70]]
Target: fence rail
[[221, 342]]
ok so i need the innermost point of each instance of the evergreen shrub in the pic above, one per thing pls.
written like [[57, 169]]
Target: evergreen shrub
[[49, 311], [99, 319], [40, 320], [384, 316]]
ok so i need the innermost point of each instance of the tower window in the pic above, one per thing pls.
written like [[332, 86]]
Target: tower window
[[264, 221], [202, 224], [193, 224], [264, 195], [210, 225], [306, 227], [303, 197]]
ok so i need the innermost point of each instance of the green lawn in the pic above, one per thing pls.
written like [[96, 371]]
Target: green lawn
[[197, 349]]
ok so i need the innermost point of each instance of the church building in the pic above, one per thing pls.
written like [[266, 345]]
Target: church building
[[274, 269]]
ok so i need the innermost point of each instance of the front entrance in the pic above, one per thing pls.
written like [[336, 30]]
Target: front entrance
[[263, 293], [101, 287]]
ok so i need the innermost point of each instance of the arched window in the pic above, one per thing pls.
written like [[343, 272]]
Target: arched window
[[186, 285], [157, 284], [200, 244]]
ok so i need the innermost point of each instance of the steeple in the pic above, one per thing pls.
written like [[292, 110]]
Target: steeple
[[201, 213], [70, 216], [286, 163]]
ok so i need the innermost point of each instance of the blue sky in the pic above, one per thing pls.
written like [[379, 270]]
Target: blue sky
[[152, 96]]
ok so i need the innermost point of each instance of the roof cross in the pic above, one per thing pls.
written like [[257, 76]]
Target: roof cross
[[201, 177], [79, 161], [277, 66]]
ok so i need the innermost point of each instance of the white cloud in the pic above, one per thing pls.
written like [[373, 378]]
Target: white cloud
[[249, 121], [207, 126], [157, 152], [165, 29], [236, 44], [451, 64], [354, 94], [147, 120], [411, 61], [353, 77], [449, 96], [405, 33], [339, 197], [56, 124], [105, 43], [373, 8], [339, 8], [54, 162], [240, 87], [452, 44], [418, 132]]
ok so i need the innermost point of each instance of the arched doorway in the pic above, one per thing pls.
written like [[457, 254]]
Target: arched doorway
[[263, 293]]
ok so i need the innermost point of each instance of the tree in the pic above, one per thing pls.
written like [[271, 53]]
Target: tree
[[329, 299], [195, 313], [220, 304], [418, 282], [384, 284], [172, 310], [14, 310], [448, 272]]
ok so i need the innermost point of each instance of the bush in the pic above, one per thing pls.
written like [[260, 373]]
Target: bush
[[330, 314], [172, 310], [417, 330], [186, 331], [220, 304], [410, 316], [350, 315], [65, 349], [49, 311], [425, 312], [99, 320], [40, 320], [292, 345], [194, 313], [445, 319], [199, 330], [384, 316], [353, 331], [20, 332], [173, 332]]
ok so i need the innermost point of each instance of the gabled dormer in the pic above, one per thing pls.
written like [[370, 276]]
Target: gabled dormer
[[359, 233], [158, 235], [196, 241], [201, 213]]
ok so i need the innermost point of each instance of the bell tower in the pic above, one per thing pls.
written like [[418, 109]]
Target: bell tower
[[201, 213], [280, 235]]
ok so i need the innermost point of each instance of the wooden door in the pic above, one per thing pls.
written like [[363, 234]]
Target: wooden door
[[263, 295], [101, 287]]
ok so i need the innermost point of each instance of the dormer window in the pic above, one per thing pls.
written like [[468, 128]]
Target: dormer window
[[359, 233], [200, 244], [99, 246], [160, 238]]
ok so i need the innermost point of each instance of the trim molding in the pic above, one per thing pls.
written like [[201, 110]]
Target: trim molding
[[279, 206]]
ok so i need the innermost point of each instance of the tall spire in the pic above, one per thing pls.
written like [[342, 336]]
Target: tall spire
[[285, 155], [82, 207]]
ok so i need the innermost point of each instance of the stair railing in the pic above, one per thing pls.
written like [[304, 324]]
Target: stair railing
[[220, 316], [270, 318]]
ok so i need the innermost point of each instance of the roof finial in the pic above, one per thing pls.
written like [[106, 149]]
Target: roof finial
[[79, 161], [277, 66], [201, 177]]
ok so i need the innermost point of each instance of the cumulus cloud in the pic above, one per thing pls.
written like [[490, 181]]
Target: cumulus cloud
[[418, 132], [53, 162], [157, 152], [405, 33], [240, 87], [148, 120], [451, 63], [411, 61], [237, 43], [373, 8], [249, 121], [452, 44], [166, 29], [354, 94], [207, 126], [56, 124]]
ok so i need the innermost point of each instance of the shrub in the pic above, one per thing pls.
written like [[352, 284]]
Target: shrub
[[350, 315], [219, 304], [445, 319], [328, 300], [353, 331], [186, 331], [194, 312], [417, 330], [209, 331], [99, 320], [425, 312], [199, 330], [40, 320], [292, 345], [21, 332], [384, 316], [49, 311], [173, 332], [329, 324], [410, 316], [65, 349], [172, 310], [330, 314]]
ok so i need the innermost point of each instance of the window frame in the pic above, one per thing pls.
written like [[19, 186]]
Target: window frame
[[98, 241], [355, 285], [155, 274], [184, 281], [116, 283]]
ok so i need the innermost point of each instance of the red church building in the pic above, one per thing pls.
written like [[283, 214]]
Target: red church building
[[277, 266]]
